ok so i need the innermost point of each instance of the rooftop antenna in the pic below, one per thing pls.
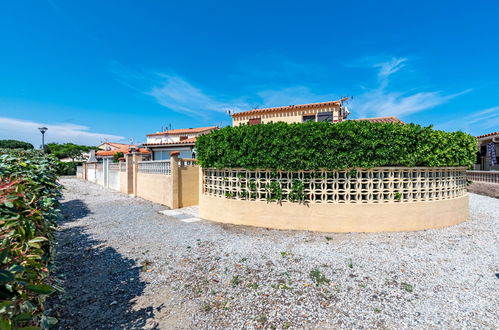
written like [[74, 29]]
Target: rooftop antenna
[[131, 140]]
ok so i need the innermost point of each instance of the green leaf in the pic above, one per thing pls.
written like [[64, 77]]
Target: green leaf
[[5, 325], [22, 317], [6, 276], [8, 204], [38, 239], [41, 288]]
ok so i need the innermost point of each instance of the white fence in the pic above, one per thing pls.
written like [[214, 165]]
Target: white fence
[[155, 167], [483, 176]]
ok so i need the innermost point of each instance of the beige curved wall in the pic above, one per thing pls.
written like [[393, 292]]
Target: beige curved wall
[[380, 217]]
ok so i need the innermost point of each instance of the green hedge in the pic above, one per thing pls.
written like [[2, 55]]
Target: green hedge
[[66, 168], [319, 145], [28, 213]]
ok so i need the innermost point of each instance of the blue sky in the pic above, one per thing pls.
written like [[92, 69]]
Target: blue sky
[[118, 70]]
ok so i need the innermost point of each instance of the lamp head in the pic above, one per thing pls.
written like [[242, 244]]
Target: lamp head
[[43, 129]]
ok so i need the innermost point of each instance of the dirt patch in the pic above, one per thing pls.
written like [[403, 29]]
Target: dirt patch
[[486, 189]]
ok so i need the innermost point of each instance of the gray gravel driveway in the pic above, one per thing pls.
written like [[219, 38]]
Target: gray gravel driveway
[[123, 265]]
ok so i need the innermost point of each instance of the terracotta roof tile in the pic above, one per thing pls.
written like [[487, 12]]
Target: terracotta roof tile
[[124, 151], [185, 131], [290, 107], [382, 120], [485, 135]]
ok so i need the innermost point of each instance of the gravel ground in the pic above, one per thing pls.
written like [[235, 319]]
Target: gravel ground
[[124, 265]]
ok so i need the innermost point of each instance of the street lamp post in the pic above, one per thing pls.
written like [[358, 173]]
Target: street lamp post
[[43, 130]]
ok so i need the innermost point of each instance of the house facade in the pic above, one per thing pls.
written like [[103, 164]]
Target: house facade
[[332, 111], [109, 149], [488, 152], [115, 146], [161, 144]]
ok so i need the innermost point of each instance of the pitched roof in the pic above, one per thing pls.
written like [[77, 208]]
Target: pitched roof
[[485, 135], [186, 141], [118, 145], [299, 107], [382, 120], [185, 131], [123, 150]]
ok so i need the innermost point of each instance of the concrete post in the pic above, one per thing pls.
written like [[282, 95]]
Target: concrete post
[[136, 158], [175, 173], [129, 173]]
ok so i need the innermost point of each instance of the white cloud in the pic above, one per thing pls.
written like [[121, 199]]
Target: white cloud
[[479, 120], [381, 101], [386, 69], [24, 130], [179, 95]]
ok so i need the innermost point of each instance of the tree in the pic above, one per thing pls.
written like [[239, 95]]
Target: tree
[[68, 150], [15, 144], [117, 156]]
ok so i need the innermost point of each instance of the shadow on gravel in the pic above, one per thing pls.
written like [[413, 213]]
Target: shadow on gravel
[[73, 210], [100, 284]]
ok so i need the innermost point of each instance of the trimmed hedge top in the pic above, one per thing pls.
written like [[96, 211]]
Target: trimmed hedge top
[[344, 145]]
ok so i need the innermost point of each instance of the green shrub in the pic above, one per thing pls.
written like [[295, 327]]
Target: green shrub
[[28, 213], [66, 168], [15, 144], [319, 145]]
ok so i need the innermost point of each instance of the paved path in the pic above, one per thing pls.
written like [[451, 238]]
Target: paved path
[[125, 265]]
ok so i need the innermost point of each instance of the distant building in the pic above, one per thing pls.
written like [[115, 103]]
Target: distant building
[[332, 111], [488, 152], [109, 149], [115, 146], [182, 140]]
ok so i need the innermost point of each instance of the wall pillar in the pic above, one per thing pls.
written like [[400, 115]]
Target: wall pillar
[[175, 179], [136, 158], [84, 171], [129, 173]]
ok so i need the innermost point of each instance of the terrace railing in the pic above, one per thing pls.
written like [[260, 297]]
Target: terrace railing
[[155, 167], [483, 176]]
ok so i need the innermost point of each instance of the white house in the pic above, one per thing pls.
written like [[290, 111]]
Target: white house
[[182, 140]]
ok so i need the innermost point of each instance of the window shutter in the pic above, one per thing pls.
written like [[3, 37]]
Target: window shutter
[[255, 121]]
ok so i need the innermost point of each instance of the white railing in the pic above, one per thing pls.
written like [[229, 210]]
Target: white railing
[[114, 167], [483, 176], [155, 167], [185, 162]]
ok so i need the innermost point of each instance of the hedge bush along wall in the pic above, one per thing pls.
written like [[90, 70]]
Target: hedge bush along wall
[[28, 213], [344, 145]]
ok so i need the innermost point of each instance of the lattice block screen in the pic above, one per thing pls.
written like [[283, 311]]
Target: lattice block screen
[[377, 185], [114, 167], [155, 167]]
